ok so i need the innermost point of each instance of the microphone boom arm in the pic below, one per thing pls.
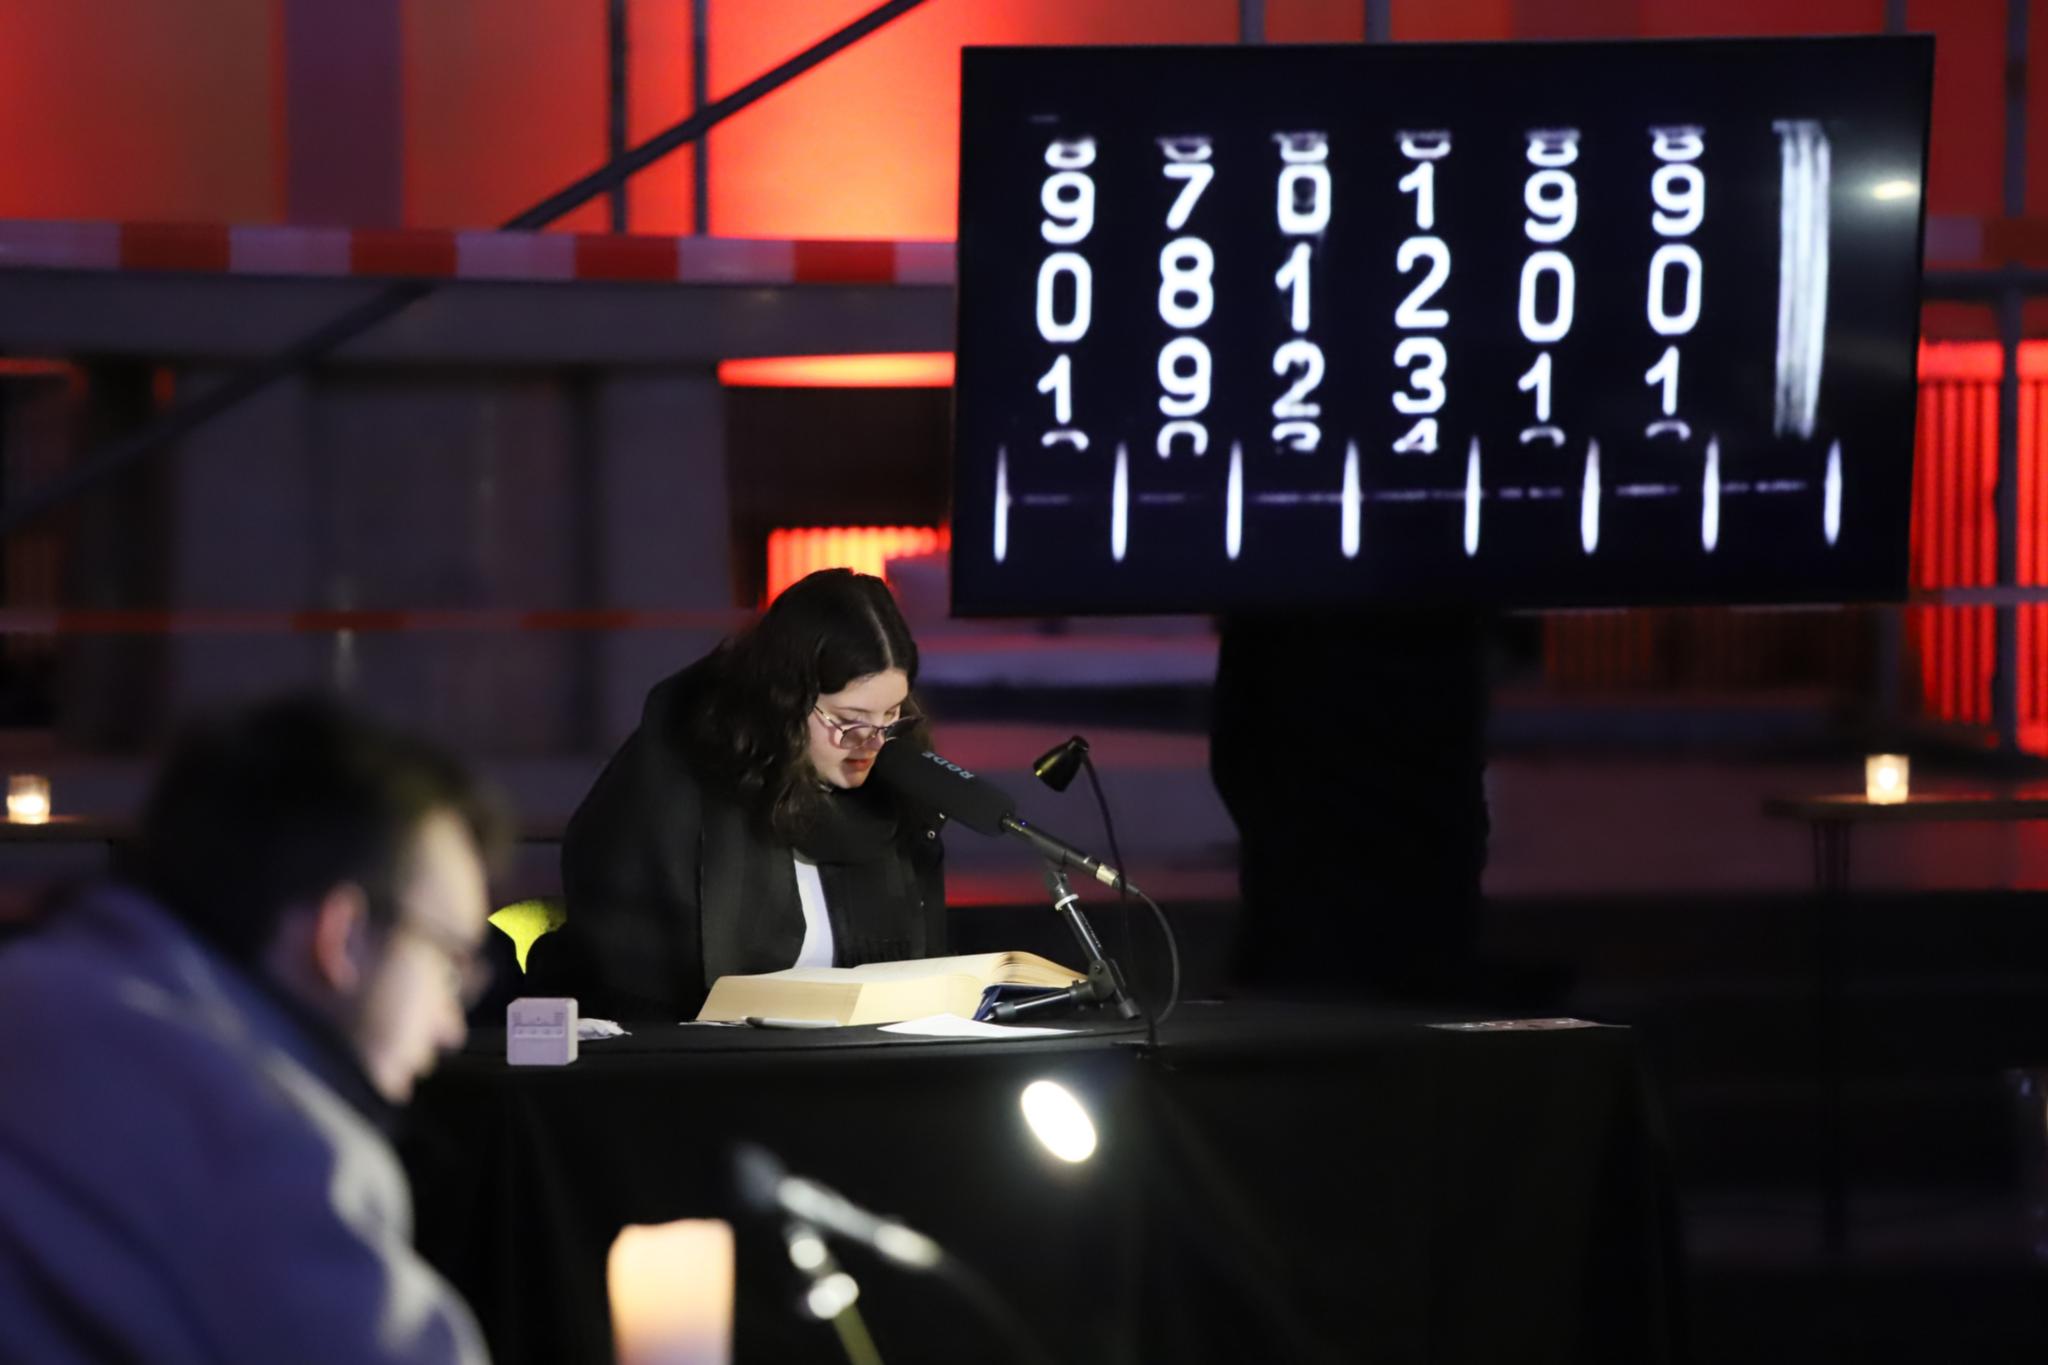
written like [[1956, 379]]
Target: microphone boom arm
[[1060, 853]]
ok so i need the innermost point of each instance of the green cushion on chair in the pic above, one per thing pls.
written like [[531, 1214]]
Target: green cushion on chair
[[525, 921]]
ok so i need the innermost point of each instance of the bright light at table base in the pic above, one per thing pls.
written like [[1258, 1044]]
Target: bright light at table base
[[1058, 1120], [1886, 779], [672, 1293]]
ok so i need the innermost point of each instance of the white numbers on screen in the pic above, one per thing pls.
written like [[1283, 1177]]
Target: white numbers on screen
[[1553, 146], [1555, 268], [1414, 251], [1681, 195], [1066, 283], [1424, 359], [1673, 293], [1187, 162], [1184, 374], [1186, 294], [1304, 199], [1072, 267], [1059, 382], [1292, 280], [1687, 261], [1187, 299], [1552, 198], [1548, 298], [1432, 146], [1069, 203], [1421, 361], [1677, 144], [1537, 380], [1418, 439], [1307, 357], [1421, 182], [1301, 209], [1664, 374], [1197, 434], [1071, 154]]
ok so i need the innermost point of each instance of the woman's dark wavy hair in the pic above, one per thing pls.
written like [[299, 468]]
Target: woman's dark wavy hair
[[825, 631]]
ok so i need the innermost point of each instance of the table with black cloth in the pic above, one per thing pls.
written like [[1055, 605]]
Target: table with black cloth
[[1275, 1182]]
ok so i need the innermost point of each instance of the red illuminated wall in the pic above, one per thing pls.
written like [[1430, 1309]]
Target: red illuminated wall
[[795, 552], [504, 104], [1955, 531], [867, 145], [139, 110], [172, 109]]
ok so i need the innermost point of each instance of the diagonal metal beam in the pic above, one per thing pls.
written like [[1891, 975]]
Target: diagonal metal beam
[[394, 299], [618, 45]]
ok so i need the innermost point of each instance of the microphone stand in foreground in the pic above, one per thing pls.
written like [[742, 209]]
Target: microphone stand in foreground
[[1105, 981], [809, 1212]]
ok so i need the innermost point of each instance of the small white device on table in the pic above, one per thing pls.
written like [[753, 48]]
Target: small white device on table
[[540, 1031]]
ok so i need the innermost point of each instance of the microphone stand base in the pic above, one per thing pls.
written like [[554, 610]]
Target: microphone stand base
[[1105, 983], [1099, 988]]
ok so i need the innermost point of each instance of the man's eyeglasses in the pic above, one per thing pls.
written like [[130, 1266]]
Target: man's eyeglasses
[[469, 975], [859, 734]]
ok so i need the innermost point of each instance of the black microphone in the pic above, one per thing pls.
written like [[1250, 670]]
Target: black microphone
[[979, 804], [766, 1186]]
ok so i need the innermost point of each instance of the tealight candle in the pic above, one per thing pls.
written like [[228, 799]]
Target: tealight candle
[[1885, 779], [28, 799], [672, 1293]]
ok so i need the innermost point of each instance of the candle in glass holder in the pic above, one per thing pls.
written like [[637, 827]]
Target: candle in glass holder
[[672, 1293], [28, 799], [1885, 779]]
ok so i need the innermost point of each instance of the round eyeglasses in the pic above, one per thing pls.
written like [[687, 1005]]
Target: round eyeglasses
[[860, 734]]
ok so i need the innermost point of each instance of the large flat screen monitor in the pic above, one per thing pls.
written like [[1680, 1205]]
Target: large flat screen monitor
[[1535, 325]]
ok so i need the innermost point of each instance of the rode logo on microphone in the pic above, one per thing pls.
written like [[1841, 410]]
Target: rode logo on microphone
[[948, 765]]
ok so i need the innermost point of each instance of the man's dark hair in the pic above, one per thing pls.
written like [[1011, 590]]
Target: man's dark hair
[[271, 807]]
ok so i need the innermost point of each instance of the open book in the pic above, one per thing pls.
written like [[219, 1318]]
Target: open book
[[880, 992]]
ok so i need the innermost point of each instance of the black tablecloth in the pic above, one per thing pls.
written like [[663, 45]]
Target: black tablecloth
[[1275, 1182]]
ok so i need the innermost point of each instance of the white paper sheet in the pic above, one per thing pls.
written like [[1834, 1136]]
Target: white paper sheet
[[953, 1026]]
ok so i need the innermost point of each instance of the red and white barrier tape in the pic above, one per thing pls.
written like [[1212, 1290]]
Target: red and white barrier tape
[[199, 621], [452, 255]]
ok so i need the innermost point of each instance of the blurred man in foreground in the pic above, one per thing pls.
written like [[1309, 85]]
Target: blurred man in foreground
[[198, 1064]]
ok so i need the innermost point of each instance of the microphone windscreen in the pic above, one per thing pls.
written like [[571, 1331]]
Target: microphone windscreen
[[757, 1176], [925, 778]]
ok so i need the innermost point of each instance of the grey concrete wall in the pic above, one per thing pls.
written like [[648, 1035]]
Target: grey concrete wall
[[663, 505], [456, 489], [242, 509]]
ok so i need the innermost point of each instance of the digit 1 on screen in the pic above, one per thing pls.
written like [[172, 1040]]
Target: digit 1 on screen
[[1302, 212], [1549, 288], [1066, 283], [1187, 298], [1421, 359]]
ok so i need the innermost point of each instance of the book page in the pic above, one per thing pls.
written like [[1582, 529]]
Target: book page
[[1024, 969]]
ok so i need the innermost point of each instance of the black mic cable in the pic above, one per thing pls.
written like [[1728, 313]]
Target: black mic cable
[[1055, 767]]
